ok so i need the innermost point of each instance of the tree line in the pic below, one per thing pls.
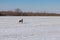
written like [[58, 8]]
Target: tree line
[[18, 12]]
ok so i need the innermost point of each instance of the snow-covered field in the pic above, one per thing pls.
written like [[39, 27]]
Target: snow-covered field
[[33, 28]]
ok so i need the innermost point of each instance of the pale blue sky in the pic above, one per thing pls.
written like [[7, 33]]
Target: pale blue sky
[[31, 5]]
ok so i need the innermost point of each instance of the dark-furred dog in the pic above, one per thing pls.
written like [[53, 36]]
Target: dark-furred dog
[[21, 21]]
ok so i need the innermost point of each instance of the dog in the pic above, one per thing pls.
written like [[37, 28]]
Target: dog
[[21, 21]]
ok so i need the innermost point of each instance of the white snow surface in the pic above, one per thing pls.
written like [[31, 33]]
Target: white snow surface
[[32, 28]]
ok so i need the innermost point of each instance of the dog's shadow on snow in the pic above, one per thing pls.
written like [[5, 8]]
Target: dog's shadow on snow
[[26, 23]]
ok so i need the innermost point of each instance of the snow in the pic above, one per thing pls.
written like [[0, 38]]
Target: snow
[[33, 28]]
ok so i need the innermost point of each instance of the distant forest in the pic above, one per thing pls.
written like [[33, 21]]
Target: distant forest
[[18, 12]]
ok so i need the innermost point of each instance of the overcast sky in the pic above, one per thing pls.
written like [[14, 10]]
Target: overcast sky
[[31, 5]]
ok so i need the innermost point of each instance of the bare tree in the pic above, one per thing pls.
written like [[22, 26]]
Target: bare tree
[[18, 10]]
